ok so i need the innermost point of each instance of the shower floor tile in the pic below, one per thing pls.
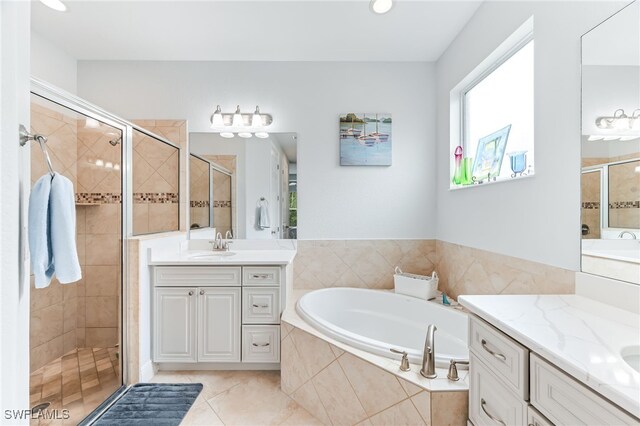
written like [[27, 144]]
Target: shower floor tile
[[78, 381]]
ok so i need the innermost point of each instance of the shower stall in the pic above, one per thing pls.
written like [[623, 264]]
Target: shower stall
[[78, 331]]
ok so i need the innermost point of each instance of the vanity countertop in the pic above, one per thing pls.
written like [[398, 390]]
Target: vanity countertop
[[581, 336], [241, 257]]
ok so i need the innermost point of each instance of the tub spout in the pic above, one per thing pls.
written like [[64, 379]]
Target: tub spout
[[429, 357]]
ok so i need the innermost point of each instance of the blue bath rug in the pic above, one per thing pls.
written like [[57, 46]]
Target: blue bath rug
[[151, 404]]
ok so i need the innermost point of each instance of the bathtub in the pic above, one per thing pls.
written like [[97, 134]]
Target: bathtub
[[376, 321]]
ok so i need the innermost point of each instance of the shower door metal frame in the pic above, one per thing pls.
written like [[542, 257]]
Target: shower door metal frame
[[74, 103]]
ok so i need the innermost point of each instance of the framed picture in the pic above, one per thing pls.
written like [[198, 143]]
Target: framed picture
[[490, 154], [365, 139]]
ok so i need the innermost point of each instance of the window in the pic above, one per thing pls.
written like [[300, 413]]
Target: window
[[495, 107]]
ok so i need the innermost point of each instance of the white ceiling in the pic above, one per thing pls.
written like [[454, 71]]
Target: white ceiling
[[263, 30]]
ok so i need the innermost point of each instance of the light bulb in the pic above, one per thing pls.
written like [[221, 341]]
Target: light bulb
[[108, 165], [595, 138], [99, 163], [381, 6], [216, 118], [262, 135], [55, 5], [256, 120], [622, 123], [237, 118], [245, 135], [611, 138], [227, 135], [116, 166]]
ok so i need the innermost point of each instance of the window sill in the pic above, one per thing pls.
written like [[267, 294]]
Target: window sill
[[479, 185]]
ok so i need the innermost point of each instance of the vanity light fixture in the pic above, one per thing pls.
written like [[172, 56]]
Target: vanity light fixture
[[244, 125], [55, 5], [620, 121], [381, 6]]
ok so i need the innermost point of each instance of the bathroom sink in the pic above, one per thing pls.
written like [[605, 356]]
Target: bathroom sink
[[631, 355], [212, 255]]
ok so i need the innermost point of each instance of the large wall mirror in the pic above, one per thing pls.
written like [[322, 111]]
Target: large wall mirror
[[610, 181], [245, 186]]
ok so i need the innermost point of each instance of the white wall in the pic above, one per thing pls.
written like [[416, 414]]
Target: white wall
[[537, 218], [304, 97], [52, 64], [15, 184]]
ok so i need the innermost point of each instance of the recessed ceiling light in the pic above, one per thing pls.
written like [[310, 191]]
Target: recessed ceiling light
[[381, 6], [55, 5]]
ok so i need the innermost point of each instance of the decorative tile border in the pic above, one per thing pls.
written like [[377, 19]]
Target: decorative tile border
[[221, 204], [594, 205], [625, 205], [98, 198], [155, 197], [199, 203], [591, 205]]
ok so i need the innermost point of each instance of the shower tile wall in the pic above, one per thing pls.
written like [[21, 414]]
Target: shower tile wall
[[52, 329], [99, 192], [199, 188], [157, 183], [590, 211], [224, 204]]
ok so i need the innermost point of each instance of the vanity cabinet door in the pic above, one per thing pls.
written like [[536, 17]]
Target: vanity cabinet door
[[175, 325], [219, 324]]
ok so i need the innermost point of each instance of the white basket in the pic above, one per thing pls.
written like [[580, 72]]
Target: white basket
[[420, 286]]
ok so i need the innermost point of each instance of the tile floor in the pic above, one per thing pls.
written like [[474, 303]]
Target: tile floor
[[239, 398], [78, 381]]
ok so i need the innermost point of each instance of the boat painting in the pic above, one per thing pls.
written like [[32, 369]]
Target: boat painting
[[365, 139]]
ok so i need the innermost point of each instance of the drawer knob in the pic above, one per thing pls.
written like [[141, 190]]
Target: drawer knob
[[260, 306], [191, 293], [260, 276], [201, 292], [260, 344], [492, 417], [495, 354]]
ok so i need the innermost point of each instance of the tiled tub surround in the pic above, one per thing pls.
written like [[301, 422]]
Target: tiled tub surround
[[341, 385], [462, 270]]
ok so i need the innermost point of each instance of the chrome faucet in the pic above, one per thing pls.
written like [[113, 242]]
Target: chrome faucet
[[633, 236], [429, 357], [228, 235], [219, 244]]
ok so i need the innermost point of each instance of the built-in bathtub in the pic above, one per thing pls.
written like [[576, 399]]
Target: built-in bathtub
[[377, 321]]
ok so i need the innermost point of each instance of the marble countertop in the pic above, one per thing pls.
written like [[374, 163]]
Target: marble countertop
[[241, 257], [581, 336]]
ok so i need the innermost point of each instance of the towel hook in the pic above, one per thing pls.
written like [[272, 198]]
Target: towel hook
[[25, 137]]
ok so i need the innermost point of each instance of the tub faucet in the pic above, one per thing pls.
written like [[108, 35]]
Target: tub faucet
[[429, 357], [621, 235]]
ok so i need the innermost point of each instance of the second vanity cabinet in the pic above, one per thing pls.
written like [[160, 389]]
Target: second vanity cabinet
[[511, 385], [217, 314]]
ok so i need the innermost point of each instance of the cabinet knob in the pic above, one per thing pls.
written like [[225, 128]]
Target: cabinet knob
[[191, 293], [201, 292]]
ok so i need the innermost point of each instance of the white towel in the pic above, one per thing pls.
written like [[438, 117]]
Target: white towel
[[52, 231], [264, 220], [39, 236], [62, 214]]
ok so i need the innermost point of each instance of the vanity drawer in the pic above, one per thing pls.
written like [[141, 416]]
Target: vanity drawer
[[261, 275], [491, 402], [260, 305], [534, 418], [507, 358], [565, 401], [260, 343], [196, 276]]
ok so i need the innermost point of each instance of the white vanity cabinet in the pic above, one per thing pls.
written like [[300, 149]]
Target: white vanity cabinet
[[511, 385], [217, 314]]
